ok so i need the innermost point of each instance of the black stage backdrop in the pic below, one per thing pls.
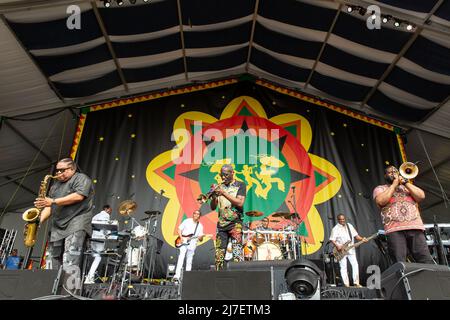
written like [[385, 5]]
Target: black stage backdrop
[[309, 159]]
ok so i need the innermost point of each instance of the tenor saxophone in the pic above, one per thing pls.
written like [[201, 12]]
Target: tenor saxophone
[[32, 216]]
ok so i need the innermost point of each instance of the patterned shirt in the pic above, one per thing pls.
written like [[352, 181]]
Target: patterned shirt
[[228, 213], [402, 212]]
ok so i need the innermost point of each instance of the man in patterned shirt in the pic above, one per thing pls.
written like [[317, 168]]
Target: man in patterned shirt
[[229, 200], [398, 201]]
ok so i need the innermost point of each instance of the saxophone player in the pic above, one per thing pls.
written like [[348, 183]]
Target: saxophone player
[[70, 205]]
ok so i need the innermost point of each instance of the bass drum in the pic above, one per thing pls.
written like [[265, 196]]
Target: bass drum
[[268, 251]]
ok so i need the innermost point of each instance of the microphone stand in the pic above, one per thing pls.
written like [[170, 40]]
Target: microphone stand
[[296, 215]]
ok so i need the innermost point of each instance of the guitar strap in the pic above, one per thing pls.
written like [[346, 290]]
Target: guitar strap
[[195, 230], [349, 233]]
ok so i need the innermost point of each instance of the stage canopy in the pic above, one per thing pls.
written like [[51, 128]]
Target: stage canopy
[[50, 69]]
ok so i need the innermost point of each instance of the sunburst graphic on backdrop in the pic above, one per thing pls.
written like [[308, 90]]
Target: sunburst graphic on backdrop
[[280, 174]]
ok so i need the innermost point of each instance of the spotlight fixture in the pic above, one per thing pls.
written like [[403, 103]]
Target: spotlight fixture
[[386, 19], [349, 9], [107, 3], [145, 0], [120, 2], [396, 23], [409, 27]]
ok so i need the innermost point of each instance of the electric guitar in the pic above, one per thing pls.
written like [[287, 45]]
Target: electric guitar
[[339, 254], [186, 240]]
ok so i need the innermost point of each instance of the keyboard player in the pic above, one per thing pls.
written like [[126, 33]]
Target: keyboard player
[[98, 240]]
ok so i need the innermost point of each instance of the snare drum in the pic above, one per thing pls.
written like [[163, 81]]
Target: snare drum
[[259, 238], [268, 251], [275, 238]]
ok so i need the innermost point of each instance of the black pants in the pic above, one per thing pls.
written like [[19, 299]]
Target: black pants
[[412, 241]]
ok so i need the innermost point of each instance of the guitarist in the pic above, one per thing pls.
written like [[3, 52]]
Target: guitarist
[[189, 230], [341, 234]]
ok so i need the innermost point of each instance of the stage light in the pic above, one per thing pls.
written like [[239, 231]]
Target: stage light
[[303, 279], [397, 24], [145, 0], [409, 27], [385, 19], [374, 16], [349, 9], [107, 3], [120, 2]]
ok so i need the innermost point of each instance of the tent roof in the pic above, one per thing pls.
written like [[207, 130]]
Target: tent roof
[[397, 75]]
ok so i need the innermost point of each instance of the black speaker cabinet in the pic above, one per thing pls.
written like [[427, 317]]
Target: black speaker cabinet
[[27, 284], [226, 285], [416, 281]]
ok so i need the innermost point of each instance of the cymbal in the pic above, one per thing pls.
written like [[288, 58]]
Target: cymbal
[[282, 214], [127, 207], [154, 212], [254, 213]]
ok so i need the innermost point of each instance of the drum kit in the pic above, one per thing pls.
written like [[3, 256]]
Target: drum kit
[[262, 244], [135, 246]]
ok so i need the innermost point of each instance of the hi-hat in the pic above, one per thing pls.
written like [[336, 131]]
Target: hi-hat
[[127, 207], [154, 212], [254, 213], [282, 214]]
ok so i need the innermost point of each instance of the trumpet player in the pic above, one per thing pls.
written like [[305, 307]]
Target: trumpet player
[[69, 204], [398, 200], [229, 200]]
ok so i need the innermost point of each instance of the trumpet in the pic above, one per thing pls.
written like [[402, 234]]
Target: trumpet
[[408, 170], [205, 197]]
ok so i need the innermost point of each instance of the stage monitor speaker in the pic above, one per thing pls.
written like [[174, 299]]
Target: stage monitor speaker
[[416, 281], [27, 284], [226, 285], [276, 268]]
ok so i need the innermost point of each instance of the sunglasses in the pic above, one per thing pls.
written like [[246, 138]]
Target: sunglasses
[[61, 170]]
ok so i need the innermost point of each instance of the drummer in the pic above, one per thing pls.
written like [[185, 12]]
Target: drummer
[[259, 238], [264, 226]]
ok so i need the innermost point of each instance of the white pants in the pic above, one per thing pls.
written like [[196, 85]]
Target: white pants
[[96, 247], [188, 252], [355, 269]]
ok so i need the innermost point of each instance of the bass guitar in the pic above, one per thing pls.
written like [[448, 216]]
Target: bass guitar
[[339, 254]]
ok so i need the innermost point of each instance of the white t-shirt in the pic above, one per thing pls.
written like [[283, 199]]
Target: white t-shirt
[[340, 235], [187, 227], [103, 216]]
